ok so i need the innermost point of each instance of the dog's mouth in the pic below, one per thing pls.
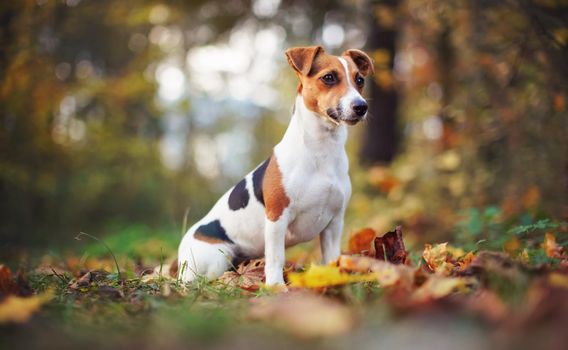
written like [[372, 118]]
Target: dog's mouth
[[351, 121], [335, 116]]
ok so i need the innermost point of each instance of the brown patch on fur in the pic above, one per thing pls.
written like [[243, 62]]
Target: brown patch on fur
[[362, 61], [302, 58], [275, 198], [318, 96], [200, 236]]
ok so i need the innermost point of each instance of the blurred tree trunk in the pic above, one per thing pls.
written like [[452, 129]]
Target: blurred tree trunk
[[380, 141]]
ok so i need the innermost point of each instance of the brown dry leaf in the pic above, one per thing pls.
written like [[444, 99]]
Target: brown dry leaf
[[248, 276], [13, 285], [15, 309], [166, 271], [360, 241], [82, 282], [318, 276], [391, 247], [304, 314], [7, 284]]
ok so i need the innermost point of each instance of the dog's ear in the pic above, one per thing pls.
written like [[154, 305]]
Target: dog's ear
[[302, 58], [362, 61]]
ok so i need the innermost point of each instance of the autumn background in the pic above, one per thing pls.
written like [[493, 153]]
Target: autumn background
[[127, 120]]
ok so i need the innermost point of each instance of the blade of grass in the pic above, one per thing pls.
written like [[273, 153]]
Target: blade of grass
[[78, 237]]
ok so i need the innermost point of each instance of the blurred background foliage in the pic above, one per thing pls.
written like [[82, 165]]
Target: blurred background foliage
[[124, 116]]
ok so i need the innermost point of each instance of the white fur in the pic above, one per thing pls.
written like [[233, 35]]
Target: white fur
[[314, 167], [352, 94]]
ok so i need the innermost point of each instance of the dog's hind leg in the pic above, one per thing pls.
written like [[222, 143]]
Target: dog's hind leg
[[199, 258]]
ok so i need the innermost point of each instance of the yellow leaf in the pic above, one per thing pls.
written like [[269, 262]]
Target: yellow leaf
[[318, 276], [16, 309]]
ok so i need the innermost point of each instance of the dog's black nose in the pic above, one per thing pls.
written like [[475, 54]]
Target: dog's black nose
[[360, 108]]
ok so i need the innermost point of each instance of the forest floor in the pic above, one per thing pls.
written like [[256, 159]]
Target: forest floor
[[377, 295]]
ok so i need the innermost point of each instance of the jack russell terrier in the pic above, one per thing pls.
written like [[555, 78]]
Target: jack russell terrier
[[302, 190]]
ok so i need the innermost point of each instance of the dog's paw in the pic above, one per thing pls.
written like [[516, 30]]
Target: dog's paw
[[277, 288]]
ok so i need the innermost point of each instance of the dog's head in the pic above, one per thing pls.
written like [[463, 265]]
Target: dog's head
[[330, 85]]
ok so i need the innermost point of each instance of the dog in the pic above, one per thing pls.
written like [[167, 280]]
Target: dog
[[302, 189]]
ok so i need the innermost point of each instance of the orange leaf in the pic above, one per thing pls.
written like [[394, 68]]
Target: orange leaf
[[551, 248], [360, 242]]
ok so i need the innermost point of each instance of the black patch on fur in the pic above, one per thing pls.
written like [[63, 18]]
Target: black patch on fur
[[239, 196], [257, 177], [214, 230]]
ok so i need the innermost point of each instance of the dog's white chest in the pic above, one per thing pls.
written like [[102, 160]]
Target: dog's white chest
[[319, 189]]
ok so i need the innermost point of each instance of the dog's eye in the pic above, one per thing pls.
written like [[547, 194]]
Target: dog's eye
[[328, 79], [359, 81]]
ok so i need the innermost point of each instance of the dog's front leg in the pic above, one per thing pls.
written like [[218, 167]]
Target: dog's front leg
[[330, 239], [274, 249]]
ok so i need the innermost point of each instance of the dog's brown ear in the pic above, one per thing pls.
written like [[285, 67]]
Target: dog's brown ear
[[302, 58], [362, 61]]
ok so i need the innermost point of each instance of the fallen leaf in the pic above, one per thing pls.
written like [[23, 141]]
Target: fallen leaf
[[435, 257], [318, 276], [13, 285], [248, 276], [552, 249], [465, 261], [15, 309], [87, 278], [304, 314], [360, 242], [82, 282], [165, 271], [387, 274], [437, 287], [7, 285], [391, 247]]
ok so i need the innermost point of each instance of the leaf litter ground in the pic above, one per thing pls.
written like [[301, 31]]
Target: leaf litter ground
[[373, 296]]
